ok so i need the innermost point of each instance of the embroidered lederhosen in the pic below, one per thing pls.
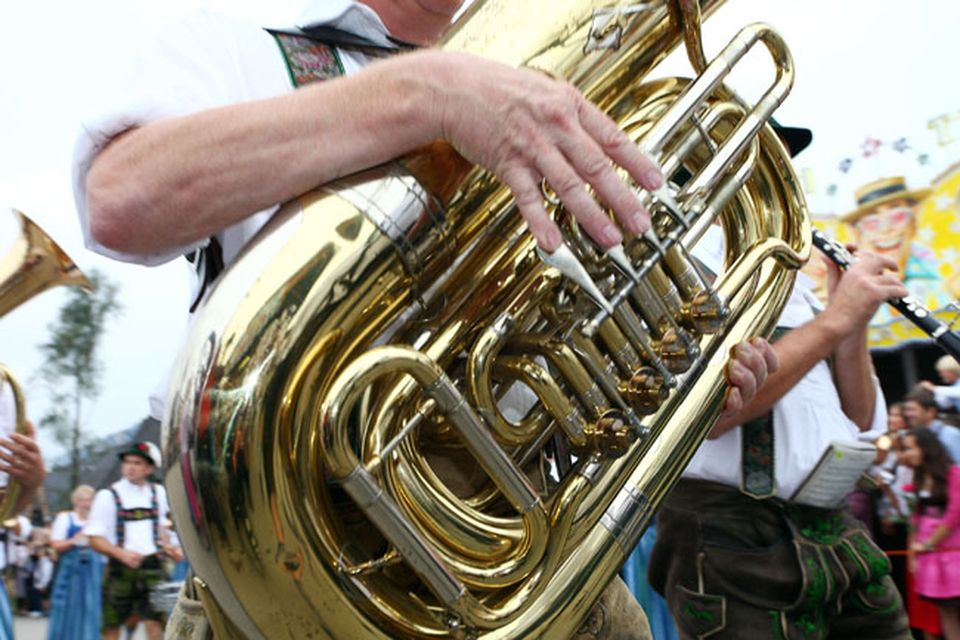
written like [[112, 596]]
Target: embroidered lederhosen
[[817, 566]]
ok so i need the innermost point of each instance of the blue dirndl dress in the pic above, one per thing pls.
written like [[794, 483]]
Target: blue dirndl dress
[[6, 615], [75, 602]]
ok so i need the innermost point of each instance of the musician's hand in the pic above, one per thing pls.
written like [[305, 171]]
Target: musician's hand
[[20, 457], [750, 364], [926, 384], [856, 293], [524, 127]]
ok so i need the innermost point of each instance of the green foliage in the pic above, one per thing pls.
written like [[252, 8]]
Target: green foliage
[[71, 368]]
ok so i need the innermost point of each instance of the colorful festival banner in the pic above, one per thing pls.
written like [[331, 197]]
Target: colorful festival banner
[[919, 228]]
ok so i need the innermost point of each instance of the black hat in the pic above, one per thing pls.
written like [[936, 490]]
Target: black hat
[[797, 139], [146, 450]]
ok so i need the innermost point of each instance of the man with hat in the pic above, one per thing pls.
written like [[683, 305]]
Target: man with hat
[[126, 524]]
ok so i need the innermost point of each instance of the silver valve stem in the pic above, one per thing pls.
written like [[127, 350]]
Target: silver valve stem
[[670, 203], [618, 256], [563, 260]]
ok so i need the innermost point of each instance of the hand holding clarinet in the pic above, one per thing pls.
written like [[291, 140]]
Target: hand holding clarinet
[[908, 306]]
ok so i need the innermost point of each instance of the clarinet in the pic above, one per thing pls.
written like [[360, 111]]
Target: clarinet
[[908, 306]]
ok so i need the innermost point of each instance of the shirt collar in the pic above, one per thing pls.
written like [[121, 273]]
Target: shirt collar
[[347, 15]]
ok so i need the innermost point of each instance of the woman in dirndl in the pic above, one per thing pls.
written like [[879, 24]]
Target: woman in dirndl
[[935, 535], [75, 604]]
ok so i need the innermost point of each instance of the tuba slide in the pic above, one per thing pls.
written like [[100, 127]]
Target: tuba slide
[[394, 420], [34, 264]]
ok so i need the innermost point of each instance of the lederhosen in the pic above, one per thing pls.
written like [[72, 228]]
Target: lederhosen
[[743, 563], [126, 591]]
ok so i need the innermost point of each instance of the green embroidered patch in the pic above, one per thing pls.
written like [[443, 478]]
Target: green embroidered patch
[[308, 60]]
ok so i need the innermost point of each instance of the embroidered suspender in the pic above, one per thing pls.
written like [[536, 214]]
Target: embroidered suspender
[[757, 462], [139, 513]]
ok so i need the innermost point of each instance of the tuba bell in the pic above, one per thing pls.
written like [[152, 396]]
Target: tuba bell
[[34, 264], [393, 420]]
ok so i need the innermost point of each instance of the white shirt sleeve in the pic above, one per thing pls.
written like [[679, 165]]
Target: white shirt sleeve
[[103, 517], [202, 62], [945, 394], [26, 529], [60, 526], [8, 418]]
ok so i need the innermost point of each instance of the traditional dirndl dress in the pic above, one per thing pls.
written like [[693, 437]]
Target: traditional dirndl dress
[[6, 615], [75, 603], [938, 572]]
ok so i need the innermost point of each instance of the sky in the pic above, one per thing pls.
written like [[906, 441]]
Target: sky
[[866, 70]]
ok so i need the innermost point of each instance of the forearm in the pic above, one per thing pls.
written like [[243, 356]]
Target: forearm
[[853, 376], [103, 546], [178, 180], [798, 352], [61, 546], [939, 534]]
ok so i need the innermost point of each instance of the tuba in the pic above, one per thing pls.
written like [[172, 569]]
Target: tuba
[[34, 264], [393, 419]]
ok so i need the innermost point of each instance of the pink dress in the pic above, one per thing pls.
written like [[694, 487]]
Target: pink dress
[[938, 572]]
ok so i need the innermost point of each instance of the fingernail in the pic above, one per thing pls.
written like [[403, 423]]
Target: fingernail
[[638, 223], [653, 179], [551, 240], [610, 235]]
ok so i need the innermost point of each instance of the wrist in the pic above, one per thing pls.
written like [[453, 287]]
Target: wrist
[[927, 545]]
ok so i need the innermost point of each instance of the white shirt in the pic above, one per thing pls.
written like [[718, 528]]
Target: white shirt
[[14, 540], [61, 525], [8, 419], [205, 61], [948, 396], [138, 535], [806, 419]]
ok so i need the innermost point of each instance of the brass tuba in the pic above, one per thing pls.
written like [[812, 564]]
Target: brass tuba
[[34, 264], [393, 420]]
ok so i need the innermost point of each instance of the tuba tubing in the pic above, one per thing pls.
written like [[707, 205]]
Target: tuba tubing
[[396, 420]]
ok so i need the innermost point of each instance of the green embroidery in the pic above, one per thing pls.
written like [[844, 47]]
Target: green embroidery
[[817, 588], [698, 614], [877, 562], [776, 629], [879, 592], [861, 567], [806, 624], [825, 529]]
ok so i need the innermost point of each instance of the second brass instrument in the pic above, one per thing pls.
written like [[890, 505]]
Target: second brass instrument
[[34, 264], [393, 420]]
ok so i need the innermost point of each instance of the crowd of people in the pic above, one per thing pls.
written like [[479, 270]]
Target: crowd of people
[[910, 501], [96, 569]]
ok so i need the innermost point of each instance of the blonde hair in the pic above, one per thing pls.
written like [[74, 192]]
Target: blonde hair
[[81, 490], [946, 363]]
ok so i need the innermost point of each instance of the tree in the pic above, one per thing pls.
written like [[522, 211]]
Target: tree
[[71, 368]]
